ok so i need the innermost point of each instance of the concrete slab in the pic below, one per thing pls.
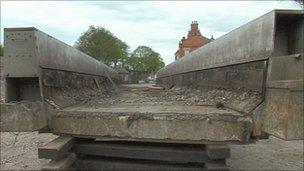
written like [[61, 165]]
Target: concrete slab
[[145, 114]]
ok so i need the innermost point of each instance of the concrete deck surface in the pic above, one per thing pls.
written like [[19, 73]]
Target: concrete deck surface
[[138, 112]]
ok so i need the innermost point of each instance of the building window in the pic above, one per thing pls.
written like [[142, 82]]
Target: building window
[[187, 50]]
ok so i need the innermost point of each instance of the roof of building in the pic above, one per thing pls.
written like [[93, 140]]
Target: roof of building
[[195, 41]]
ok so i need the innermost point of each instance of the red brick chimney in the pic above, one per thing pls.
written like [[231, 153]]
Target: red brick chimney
[[194, 31], [193, 41], [194, 26]]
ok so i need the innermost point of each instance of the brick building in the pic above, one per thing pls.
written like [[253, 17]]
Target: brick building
[[193, 41]]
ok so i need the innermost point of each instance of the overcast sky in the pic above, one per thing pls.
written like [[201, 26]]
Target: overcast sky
[[158, 24]]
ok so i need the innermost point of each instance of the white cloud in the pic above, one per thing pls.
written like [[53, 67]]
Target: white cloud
[[158, 24]]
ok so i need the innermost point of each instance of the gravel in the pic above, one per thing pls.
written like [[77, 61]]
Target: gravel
[[19, 151], [239, 100]]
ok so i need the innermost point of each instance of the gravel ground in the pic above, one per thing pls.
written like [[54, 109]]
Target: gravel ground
[[19, 152], [235, 99], [268, 154]]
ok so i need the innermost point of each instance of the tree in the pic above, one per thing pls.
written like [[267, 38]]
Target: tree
[[102, 45], [144, 58], [300, 3], [1, 50]]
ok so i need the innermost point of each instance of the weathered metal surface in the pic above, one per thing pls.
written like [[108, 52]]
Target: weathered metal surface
[[21, 89], [216, 151], [227, 85], [289, 34], [248, 75], [63, 164], [250, 42], [20, 55], [56, 149], [181, 153], [61, 88], [26, 49], [149, 156], [282, 114], [217, 165], [276, 40], [91, 163], [26, 116], [38, 67]]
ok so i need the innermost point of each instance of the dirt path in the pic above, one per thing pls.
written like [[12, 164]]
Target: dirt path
[[272, 154]]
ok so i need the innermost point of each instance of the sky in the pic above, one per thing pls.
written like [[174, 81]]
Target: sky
[[157, 24]]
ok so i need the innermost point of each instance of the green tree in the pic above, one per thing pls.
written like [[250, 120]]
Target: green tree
[[300, 3], [101, 44], [144, 58], [1, 50]]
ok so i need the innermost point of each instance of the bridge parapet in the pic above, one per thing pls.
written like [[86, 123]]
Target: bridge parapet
[[264, 56], [40, 68]]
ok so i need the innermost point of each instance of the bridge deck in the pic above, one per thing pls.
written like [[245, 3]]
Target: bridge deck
[[140, 112]]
